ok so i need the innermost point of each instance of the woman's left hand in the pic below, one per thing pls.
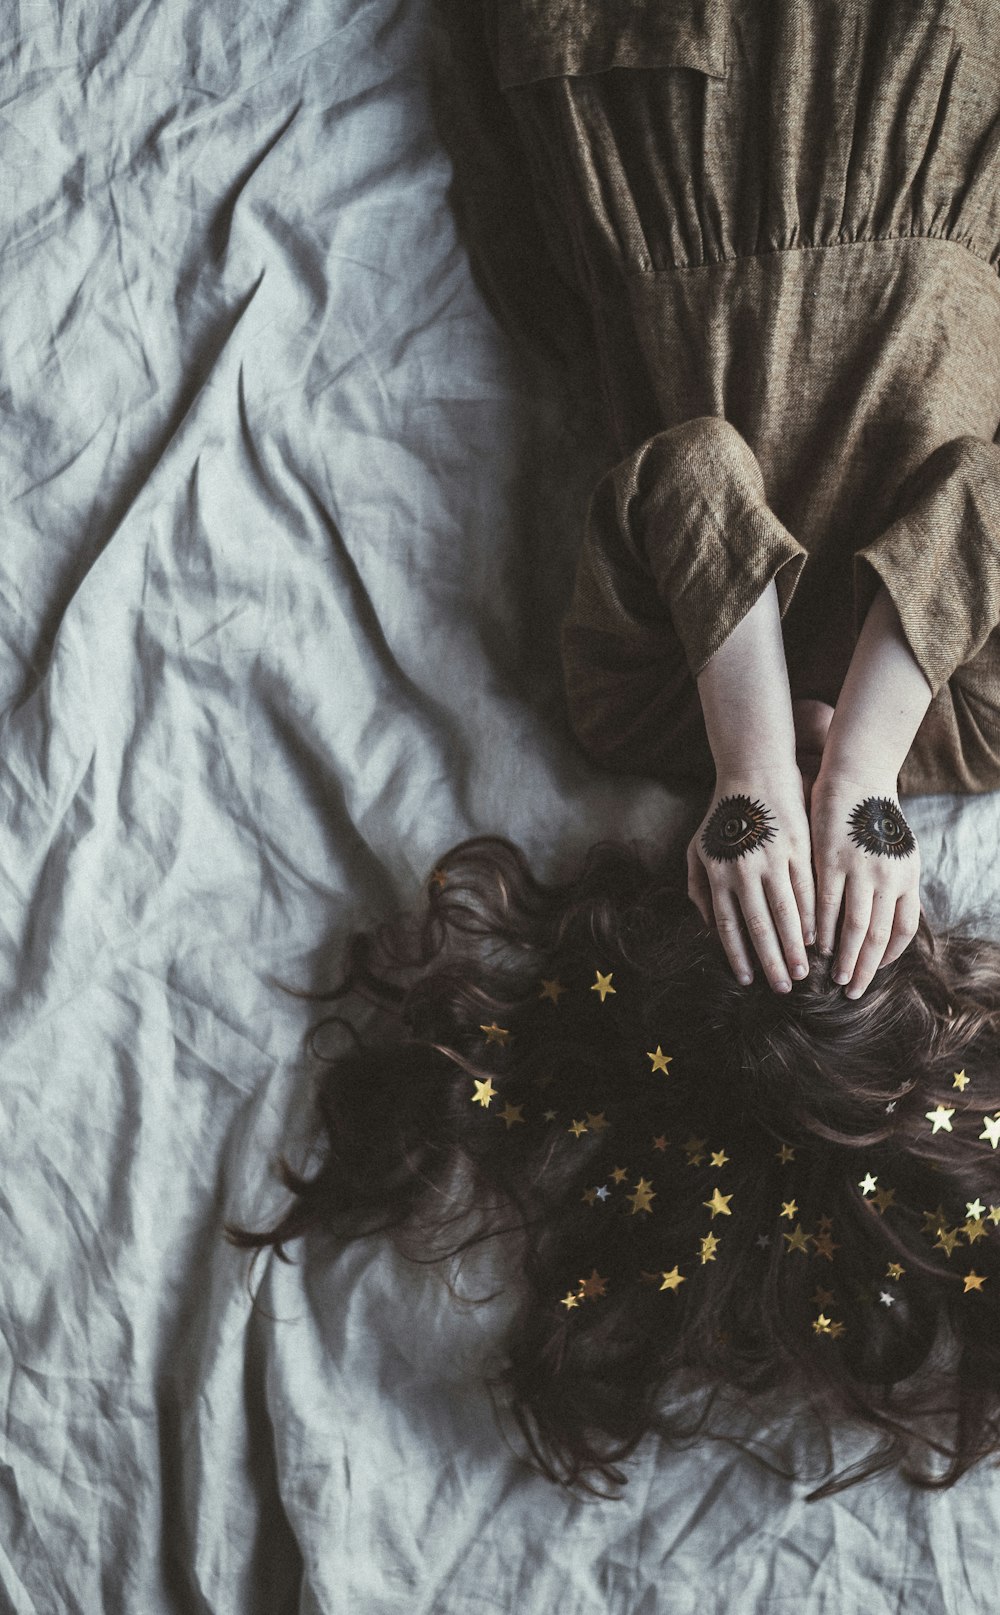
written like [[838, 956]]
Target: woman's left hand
[[867, 865]]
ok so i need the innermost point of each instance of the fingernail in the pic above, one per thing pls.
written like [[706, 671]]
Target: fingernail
[[744, 979], [810, 938], [783, 986], [841, 977], [799, 971]]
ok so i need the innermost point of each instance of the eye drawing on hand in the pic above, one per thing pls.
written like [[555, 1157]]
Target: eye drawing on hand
[[736, 827], [878, 826]]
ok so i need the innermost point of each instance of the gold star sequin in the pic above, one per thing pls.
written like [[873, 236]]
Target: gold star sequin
[[597, 1123], [789, 1209], [973, 1281], [709, 1246], [822, 1324], [694, 1149], [641, 1197], [485, 1092], [867, 1184], [883, 1198], [974, 1228], [960, 1081], [672, 1279], [551, 990], [836, 1330], [719, 1157], [991, 1130], [797, 1240], [785, 1154], [719, 1204], [603, 984], [569, 1301], [825, 1245], [659, 1059], [438, 878], [822, 1298], [660, 1142], [593, 1287], [947, 1240], [589, 1196], [895, 1270], [975, 1208], [825, 1224], [619, 1174], [511, 1114], [993, 1215], [934, 1221], [577, 1128], [548, 1115], [495, 1033], [940, 1117]]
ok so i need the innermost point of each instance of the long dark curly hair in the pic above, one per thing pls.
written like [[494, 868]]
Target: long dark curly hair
[[701, 1179]]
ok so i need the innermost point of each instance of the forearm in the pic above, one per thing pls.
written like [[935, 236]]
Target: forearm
[[745, 696], [881, 704]]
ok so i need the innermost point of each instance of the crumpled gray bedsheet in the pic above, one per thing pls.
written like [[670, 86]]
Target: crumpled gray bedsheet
[[287, 527]]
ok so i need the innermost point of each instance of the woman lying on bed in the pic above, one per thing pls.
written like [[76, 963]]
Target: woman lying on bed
[[741, 1120]]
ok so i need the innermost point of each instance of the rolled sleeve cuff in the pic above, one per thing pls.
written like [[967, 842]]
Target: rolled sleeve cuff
[[691, 503], [940, 559]]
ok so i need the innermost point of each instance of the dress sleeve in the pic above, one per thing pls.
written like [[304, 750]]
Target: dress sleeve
[[940, 558], [679, 544]]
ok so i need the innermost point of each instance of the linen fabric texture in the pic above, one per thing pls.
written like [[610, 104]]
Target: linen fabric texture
[[785, 220]]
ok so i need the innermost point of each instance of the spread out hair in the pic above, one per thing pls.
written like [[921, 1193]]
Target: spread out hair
[[703, 1183]]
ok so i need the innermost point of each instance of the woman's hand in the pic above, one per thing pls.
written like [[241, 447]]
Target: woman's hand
[[868, 865], [749, 868]]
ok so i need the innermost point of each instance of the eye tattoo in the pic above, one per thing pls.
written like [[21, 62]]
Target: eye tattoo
[[878, 826], [736, 827]]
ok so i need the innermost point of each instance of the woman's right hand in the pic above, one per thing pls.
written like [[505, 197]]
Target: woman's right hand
[[750, 873]]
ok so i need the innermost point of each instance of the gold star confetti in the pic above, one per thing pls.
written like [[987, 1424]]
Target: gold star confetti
[[822, 1324], [551, 990], [495, 1033], [825, 1224], [975, 1208], [643, 1194], [569, 1301], [659, 1059], [822, 1298], [867, 1184], [836, 1330], [960, 1081], [883, 1198], [577, 1128], [597, 1123], [438, 878], [511, 1114], [797, 1240], [660, 1142], [672, 1279], [974, 1228], [719, 1157], [940, 1117], [993, 1215], [825, 1245], [973, 1281], [485, 1092], [934, 1221], [719, 1204], [694, 1149], [991, 1130], [785, 1154], [895, 1270], [593, 1287], [619, 1174], [603, 984], [589, 1196], [789, 1209], [709, 1246], [549, 1115], [947, 1240]]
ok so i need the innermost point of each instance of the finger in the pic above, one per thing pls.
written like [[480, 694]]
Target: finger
[[831, 896], [804, 888], [904, 927], [727, 918], [699, 888], [763, 936], [872, 950], [781, 900], [853, 930]]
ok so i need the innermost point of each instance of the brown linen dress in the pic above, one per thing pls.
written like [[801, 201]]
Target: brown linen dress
[[785, 217]]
